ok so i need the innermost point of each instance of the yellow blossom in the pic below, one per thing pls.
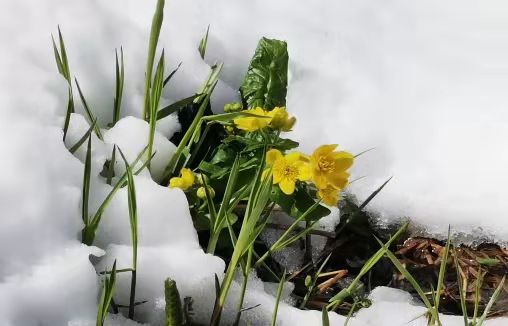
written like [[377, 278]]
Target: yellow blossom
[[288, 169], [250, 123], [281, 119], [185, 181], [329, 195], [329, 167]]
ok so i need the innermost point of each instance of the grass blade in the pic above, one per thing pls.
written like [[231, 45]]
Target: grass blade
[[440, 280], [154, 101], [133, 219], [324, 317], [174, 107], [339, 297], [152, 46], [90, 229], [80, 142], [168, 78], [88, 112], [462, 293], [111, 167], [277, 298], [120, 77], [106, 296], [85, 192], [203, 43], [491, 302]]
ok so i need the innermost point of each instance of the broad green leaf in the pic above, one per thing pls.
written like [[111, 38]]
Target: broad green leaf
[[265, 84]]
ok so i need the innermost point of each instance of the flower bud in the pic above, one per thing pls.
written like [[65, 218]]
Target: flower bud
[[201, 192]]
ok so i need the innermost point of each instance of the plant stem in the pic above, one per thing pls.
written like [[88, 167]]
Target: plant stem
[[132, 298]]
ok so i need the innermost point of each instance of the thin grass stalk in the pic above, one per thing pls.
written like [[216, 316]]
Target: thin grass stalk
[[324, 317], [106, 299], [82, 140], [277, 298], [88, 111], [339, 297], [120, 77], [246, 273], [258, 200], [155, 29], [462, 293], [63, 68], [282, 241], [111, 167], [133, 220], [224, 209], [491, 302], [350, 313], [310, 289], [185, 142], [410, 278], [85, 192], [154, 100], [477, 295], [90, 229], [440, 280]]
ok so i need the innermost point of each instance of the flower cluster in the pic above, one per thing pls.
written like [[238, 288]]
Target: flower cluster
[[187, 180], [326, 168], [259, 118]]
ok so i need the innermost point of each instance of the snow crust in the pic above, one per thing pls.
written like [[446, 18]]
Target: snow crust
[[425, 84]]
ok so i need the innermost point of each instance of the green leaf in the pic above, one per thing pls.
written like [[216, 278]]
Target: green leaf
[[86, 182], [303, 201], [120, 76], [265, 84], [174, 312], [106, 296], [325, 318], [202, 44], [174, 107], [487, 261], [89, 113], [168, 78], [277, 298], [80, 142], [155, 30]]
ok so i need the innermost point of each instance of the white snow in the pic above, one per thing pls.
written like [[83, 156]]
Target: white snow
[[425, 84]]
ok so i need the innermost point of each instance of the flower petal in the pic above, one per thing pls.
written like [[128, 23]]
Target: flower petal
[[304, 172], [339, 179], [287, 186], [272, 156], [343, 160]]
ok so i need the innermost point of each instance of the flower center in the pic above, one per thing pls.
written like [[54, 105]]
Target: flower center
[[290, 172], [325, 164]]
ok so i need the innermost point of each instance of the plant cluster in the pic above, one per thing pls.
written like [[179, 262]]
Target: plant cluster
[[235, 168]]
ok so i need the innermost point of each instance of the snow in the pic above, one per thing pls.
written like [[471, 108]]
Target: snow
[[425, 84]]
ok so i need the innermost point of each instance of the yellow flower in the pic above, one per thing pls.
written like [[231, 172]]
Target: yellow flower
[[249, 123], [281, 119], [329, 195], [184, 182], [287, 169], [329, 167]]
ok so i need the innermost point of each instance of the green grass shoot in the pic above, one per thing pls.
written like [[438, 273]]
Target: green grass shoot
[[108, 290], [88, 111], [155, 30], [120, 78], [277, 298]]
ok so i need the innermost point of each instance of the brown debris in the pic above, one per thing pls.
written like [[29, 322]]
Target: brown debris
[[423, 256]]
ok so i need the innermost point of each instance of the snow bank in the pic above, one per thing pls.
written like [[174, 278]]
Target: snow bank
[[423, 83]]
